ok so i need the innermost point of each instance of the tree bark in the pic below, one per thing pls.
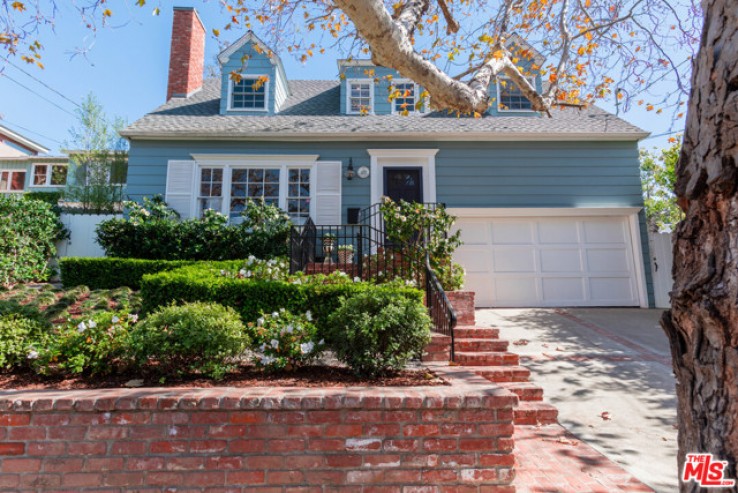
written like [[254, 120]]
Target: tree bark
[[702, 324]]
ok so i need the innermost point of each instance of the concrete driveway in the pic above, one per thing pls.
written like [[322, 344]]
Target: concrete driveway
[[591, 361]]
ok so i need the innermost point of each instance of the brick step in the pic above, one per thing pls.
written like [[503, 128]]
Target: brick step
[[468, 331], [467, 358], [526, 391], [321, 268], [480, 345], [535, 413], [499, 374]]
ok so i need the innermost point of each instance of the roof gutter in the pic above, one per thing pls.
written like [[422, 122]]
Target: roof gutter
[[411, 136]]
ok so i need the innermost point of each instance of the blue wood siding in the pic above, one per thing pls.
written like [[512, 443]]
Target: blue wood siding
[[248, 62], [468, 174]]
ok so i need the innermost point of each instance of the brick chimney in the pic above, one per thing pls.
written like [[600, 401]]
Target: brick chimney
[[187, 58]]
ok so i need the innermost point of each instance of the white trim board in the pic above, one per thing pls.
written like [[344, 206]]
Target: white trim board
[[401, 158]]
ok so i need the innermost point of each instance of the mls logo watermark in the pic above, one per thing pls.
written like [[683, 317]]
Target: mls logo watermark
[[706, 471]]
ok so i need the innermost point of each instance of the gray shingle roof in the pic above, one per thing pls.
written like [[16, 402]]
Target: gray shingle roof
[[313, 111]]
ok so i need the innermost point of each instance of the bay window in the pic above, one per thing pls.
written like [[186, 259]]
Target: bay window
[[227, 189], [12, 180]]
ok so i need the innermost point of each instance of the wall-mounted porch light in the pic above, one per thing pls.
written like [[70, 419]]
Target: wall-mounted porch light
[[350, 170]]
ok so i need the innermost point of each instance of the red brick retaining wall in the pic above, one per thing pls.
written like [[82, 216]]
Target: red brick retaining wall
[[463, 303], [216, 440]]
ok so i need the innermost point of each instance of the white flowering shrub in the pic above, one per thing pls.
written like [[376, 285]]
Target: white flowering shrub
[[282, 340], [20, 339], [260, 270], [93, 346]]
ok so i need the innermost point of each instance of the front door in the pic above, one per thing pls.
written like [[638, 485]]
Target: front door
[[404, 184]]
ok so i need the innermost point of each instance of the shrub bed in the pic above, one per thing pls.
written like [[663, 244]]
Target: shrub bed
[[250, 298], [110, 273]]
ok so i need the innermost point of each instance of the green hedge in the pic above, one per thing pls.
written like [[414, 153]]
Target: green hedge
[[110, 273], [250, 298]]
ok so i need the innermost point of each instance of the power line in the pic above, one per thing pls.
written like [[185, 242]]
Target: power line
[[664, 134], [43, 83], [3, 121], [39, 95]]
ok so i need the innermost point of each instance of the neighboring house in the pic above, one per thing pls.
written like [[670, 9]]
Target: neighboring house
[[23, 168], [550, 208]]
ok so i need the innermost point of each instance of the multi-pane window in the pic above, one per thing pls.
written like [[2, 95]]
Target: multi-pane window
[[510, 97], [360, 97], [298, 195], [406, 97], [249, 94], [49, 175], [253, 183], [211, 189], [12, 180]]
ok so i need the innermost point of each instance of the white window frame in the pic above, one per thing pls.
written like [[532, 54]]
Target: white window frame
[[349, 82], [254, 78], [423, 109], [49, 172], [15, 170], [500, 109], [229, 163]]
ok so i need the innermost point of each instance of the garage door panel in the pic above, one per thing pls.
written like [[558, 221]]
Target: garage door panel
[[558, 231], [549, 261], [561, 260], [563, 289], [604, 231], [515, 291], [475, 232], [609, 290], [519, 259], [607, 260], [512, 233]]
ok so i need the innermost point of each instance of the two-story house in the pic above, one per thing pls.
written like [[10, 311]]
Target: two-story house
[[550, 208]]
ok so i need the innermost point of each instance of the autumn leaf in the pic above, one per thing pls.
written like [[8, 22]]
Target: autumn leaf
[[605, 416], [18, 6]]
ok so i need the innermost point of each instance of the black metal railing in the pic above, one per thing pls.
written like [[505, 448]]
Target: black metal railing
[[363, 251], [440, 310]]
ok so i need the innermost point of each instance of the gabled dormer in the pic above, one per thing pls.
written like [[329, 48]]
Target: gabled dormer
[[505, 97], [253, 78], [369, 89]]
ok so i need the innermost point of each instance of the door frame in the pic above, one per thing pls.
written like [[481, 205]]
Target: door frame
[[402, 158], [419, 169]]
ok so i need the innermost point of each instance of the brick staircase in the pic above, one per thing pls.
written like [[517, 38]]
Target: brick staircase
[[481, 350]]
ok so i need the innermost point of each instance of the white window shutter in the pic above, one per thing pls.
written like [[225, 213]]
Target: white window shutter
[[328, 192], [180, 187]]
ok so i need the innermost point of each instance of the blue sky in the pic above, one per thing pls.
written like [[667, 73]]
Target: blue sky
[[125, 66]]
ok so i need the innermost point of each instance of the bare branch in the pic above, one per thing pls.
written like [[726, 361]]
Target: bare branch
[[452, 26]]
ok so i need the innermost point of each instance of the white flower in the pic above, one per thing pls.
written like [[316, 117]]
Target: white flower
[[251, 258], [297, 281], [274, 343], [307, 347], [309, 315], [92, 324], [115, 319], [322, 342], [282, 310], [32, 355], [248, 273], [242, 272], [289, 329], [222, 272], [133, 317], [275, 314], [357, 279], [267, 360], [263, 347], [81, 327], [260, 321]]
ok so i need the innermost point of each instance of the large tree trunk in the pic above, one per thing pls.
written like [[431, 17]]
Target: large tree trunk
[[702, 324]]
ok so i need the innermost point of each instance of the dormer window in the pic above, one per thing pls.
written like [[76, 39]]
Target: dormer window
[[360, 97], [510, 97], [249, 94], [407, 96]]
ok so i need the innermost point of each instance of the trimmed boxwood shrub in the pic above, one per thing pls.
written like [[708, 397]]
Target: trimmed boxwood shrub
[[204, 282], [110, 273], [375, 333]]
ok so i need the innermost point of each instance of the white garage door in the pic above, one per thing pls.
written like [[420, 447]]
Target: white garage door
[[548, 261]]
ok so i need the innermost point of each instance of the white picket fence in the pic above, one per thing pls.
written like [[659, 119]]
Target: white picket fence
[[661, 263], [81, 242]]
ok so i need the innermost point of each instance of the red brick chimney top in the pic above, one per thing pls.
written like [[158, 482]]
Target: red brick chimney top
[[187, 58]]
